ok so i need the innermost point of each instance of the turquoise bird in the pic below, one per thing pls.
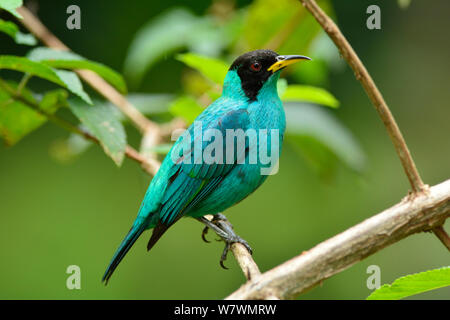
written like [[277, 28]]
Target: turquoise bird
[[189, 185]]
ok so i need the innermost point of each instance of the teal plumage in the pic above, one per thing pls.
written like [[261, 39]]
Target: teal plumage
[[197, 189]]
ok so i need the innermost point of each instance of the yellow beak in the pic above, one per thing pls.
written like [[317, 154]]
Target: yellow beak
[[284, 61]]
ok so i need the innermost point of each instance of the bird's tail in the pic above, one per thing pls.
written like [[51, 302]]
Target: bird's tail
[[126, 245]]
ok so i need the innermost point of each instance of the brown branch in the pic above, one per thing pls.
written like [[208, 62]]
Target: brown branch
[[412, 215], [150, 139], [245, 261], [372, 91]]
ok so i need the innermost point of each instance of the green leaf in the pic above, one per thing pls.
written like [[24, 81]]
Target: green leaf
[[160, 36], [322, 135], [73, 83], [173, 30], [306, 31], [196, 84], [264, 20], [309, 94], [413, 284], [11, 29], [66, 79], [53, 100], [316, 154], [186, 107], [212, 68], [69, 60], [326, 58], [101, 122], [11, 6], [33, 68], [8, 27], [17, 119], [282, 25]]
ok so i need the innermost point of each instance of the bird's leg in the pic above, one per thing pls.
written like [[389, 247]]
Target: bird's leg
[[224, 230]]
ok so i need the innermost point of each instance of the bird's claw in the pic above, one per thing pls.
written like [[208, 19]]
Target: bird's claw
[[204, 232], [223, 257], [228, 242], [224, 229]]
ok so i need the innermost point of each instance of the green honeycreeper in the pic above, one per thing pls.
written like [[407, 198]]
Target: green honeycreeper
[[195, 188]]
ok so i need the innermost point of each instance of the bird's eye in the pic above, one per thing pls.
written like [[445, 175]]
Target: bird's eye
[[256, 66]]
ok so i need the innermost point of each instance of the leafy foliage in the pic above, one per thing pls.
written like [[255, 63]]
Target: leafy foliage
[[66, 79], [173, 30], [17, 119], [309, 94], [213, 69], [54, 99], [99, 119], [320, 137], [73, 83], [11, 6], [186, 107], [280, 25], [68, 60], [413, 284], [11, 29]]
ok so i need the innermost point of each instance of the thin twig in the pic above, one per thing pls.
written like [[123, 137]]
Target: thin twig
[[301, 273], [372, 91], [23, 82], [443, 236]]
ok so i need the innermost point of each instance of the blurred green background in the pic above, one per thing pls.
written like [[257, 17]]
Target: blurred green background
[[54, 215]]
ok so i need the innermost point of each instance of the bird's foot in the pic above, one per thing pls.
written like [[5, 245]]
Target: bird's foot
[[224, 230], [204, 232], [228, 242]]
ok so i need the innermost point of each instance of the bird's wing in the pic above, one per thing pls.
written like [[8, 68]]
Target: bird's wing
[[193, 181], [189, 183]]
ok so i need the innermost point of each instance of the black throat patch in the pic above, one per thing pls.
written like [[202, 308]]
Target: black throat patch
[[252, 80]]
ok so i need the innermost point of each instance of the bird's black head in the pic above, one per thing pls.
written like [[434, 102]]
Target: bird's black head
[[255, 68]]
